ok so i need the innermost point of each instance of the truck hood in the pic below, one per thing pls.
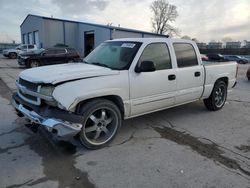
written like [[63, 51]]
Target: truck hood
[[55, 74]]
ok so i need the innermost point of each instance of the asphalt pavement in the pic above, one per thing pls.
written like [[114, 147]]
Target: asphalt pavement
[[186, 146]]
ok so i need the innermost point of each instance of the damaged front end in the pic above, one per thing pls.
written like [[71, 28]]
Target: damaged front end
[[36, 104]]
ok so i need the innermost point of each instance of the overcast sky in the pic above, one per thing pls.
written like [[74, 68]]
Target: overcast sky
[[205, 20]]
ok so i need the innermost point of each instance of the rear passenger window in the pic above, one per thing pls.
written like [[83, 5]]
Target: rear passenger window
[[60, 51], [157, 53], [185, 55], [71, 50]]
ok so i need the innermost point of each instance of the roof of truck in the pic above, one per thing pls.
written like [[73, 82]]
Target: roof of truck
[[150, 40]]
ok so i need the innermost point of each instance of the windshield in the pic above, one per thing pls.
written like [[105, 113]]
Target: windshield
[[38, 51], [19, 46], [116, 55]]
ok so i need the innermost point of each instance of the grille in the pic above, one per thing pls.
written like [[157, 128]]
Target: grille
[[32, 87], [29, 85], [28, 96]]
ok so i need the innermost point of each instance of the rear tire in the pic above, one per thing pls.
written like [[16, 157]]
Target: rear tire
[[218, 96], [101, 122], [13, 55]]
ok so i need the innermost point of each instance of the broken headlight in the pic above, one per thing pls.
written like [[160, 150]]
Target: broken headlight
[[47, 90]]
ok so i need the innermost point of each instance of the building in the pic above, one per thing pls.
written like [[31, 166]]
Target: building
[[233, 45], [214, 45], [47, 32], [201, 45], [246, 44]]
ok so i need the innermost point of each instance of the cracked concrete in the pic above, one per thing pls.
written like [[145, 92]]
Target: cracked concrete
[[214, 154]]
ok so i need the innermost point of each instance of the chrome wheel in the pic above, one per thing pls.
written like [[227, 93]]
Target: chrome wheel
[[220, 96], [100, 126]]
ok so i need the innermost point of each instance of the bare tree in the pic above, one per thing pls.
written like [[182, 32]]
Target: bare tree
[[164, 14]]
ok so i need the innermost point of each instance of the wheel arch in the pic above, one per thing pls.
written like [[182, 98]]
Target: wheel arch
[[224, 79], [117, 100]]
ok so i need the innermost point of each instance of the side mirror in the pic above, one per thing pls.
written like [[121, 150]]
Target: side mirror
[[18, 48], [145, 66]]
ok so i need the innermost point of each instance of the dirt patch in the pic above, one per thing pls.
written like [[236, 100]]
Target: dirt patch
[[207, 150]]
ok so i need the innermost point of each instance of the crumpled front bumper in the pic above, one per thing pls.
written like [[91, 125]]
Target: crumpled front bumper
[[59, 127]]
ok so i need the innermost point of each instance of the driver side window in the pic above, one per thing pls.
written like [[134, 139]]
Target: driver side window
[[158, 53]]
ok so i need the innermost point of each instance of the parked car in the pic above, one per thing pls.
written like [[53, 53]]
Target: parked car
[[48, 57], [13, 53], [204, 57], [215, 57], [120, 79], [238, 59], [248, 73]]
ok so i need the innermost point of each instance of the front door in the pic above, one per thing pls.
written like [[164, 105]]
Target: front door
[[151, 91]]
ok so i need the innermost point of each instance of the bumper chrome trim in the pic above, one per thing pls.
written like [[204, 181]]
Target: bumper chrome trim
[[61, 128]]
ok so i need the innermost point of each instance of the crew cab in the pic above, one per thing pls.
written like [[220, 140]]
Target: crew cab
[[13, 53], [48, 56], [120, 79]]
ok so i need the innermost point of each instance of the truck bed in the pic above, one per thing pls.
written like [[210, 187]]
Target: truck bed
[[215, 70]]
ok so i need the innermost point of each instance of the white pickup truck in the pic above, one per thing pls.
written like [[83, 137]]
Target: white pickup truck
[[119, 80]]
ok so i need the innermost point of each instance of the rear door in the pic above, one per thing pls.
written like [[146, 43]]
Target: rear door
[[190, 73], [150, 91]]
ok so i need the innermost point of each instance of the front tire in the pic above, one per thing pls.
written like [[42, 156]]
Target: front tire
[[101, 122], [33, 64], [218, 97], [13, 55]]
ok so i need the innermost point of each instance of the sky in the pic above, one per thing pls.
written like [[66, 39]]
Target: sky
[[201, 19]]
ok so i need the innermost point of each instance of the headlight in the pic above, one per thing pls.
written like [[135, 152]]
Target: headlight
[[47, 90]]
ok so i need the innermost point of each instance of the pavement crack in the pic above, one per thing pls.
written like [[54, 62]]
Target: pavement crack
[[127, 140], [240, 101], [38, 181], [5, 150], [243, 148], [9, 132], [19, 185]]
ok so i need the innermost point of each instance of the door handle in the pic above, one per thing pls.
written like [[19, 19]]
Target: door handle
[[171, 77], [197, 74]]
